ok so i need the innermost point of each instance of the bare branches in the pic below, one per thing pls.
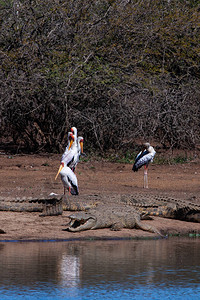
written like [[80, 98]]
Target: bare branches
[[120, 71]]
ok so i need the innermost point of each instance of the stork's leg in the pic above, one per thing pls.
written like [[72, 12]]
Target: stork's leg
[[145, 177]]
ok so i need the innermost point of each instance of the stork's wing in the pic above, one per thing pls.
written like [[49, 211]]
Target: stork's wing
[[140, 155], [67, 157], [73, 163], [73, 181], [142, 160]]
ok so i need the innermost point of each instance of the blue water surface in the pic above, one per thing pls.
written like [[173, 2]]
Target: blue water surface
[[160, 269]]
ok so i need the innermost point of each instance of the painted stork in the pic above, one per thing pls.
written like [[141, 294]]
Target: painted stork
[[143, 159], [68, 178], [69, 161]]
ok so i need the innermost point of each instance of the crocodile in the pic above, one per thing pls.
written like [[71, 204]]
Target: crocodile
[[51, 205], [171, 211], [144, 203], [102, 217], [164, 206]]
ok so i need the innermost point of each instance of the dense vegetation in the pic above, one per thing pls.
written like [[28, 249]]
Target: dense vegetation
[[121, 71]]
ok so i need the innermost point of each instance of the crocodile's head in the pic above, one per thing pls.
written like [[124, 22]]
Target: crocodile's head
[[81, 221]]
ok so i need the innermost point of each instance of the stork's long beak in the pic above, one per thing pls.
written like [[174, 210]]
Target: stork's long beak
[[81, 144], [71, 142], [61, 167]]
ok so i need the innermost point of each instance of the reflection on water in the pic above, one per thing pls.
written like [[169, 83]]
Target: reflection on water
[[137, 269]]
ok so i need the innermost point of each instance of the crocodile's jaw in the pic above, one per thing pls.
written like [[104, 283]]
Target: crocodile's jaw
[[77, 224]]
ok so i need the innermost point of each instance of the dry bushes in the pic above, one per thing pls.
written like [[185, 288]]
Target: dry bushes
[[118, 70]]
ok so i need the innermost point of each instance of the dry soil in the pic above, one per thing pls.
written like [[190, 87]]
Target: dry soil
[[33, 175]]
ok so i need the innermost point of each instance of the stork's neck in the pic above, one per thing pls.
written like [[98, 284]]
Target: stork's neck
[[74, 145]]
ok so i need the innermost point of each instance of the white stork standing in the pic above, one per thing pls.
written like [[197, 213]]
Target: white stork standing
[[67, 175], [143, 159], [68, 178], [69, 160]]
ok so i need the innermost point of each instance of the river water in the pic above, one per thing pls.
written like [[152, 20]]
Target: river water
[[120, 269]]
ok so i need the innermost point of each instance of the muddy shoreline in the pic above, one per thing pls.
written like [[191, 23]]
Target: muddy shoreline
[[33, 175]]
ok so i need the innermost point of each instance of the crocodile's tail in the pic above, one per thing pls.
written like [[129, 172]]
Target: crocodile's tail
[[178, 213], [160, 211]]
